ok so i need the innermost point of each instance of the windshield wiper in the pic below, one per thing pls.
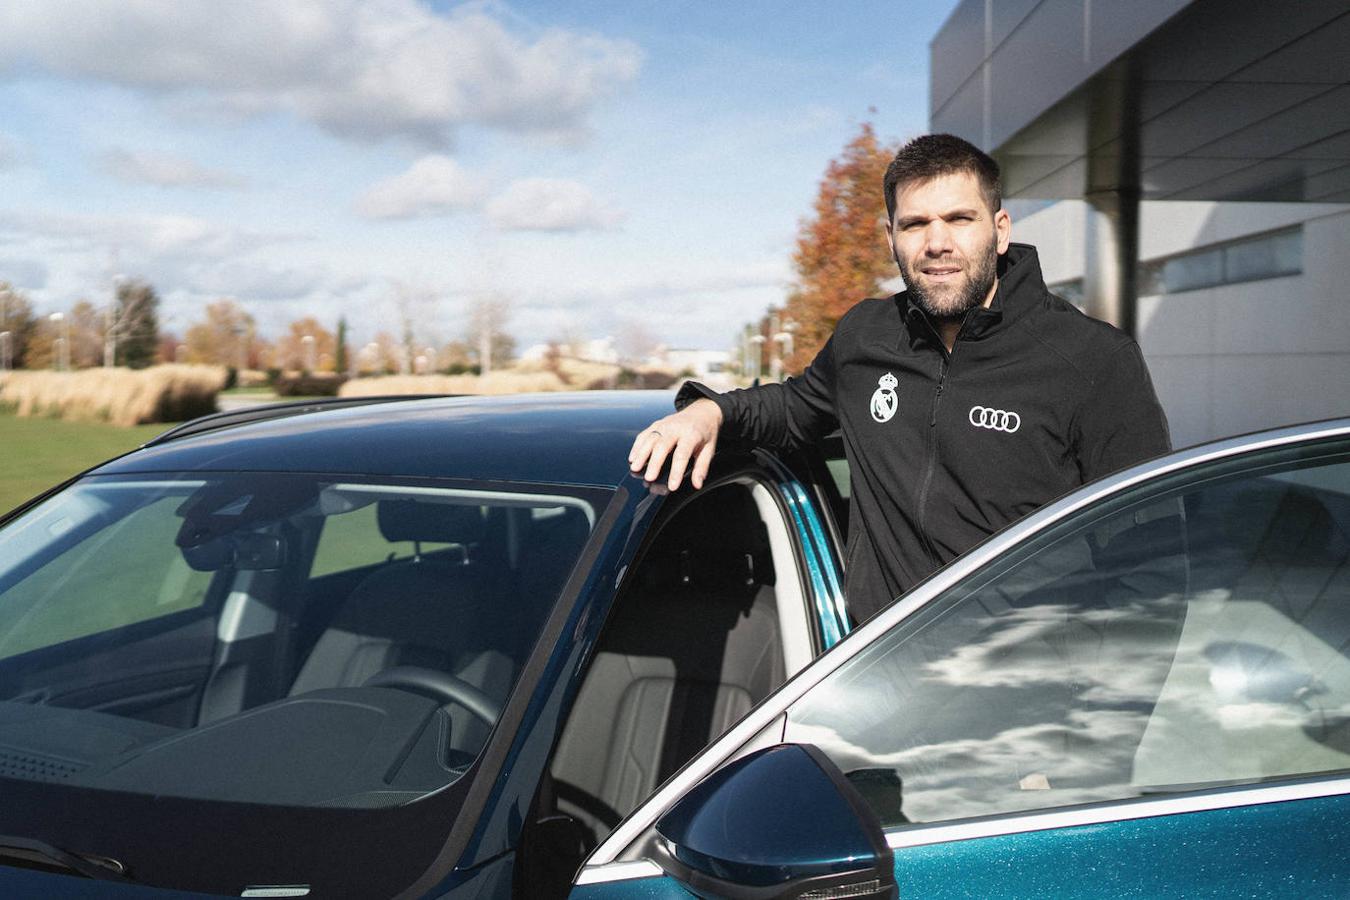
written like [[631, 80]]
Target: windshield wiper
[[31, 853]]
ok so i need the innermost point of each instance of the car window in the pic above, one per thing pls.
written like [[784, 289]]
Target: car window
[[127, 572], [352, 540], [1187, 634]]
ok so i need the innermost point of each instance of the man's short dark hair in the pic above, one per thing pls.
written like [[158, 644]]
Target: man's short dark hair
[[933, 155]]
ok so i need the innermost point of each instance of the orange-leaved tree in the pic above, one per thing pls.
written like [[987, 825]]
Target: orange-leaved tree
[[841, 251]]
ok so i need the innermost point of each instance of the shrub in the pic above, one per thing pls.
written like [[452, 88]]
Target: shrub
[[307, 384], [168, 393]]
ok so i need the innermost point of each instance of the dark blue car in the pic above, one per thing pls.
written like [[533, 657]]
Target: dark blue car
[[451, 648], [412, 648]]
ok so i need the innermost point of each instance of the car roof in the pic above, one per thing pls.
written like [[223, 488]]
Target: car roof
[[572, 438]]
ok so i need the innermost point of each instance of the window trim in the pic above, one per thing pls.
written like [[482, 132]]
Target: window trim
[[626, 835]]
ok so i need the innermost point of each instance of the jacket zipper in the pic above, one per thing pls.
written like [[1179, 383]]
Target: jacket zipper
[[932, 443]]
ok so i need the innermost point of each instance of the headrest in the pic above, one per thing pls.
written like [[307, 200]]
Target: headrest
[[433, 523], [717, 546]]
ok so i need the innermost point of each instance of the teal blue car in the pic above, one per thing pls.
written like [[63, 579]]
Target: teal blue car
[[1141, 690], [452, 648]]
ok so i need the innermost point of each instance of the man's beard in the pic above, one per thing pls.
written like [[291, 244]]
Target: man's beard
[[951, 301]]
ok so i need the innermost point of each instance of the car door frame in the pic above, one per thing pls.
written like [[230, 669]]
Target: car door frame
[[620, 856]]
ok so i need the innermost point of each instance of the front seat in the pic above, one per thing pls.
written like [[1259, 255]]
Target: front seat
[[433, 611], [692, 645]]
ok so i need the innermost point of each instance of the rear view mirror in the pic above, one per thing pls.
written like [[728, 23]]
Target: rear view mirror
[[243, 552], [781, 822]]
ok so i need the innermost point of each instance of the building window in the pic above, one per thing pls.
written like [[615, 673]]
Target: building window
[[1249, 259]]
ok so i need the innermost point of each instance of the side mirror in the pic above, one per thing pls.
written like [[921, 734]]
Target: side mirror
[[780, 822]]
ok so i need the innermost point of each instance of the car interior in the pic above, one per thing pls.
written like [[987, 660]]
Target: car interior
[[710, 620], [275, 658]]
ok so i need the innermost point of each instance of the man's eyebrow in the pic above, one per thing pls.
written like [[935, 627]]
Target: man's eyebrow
[[902, 221], [969, 211]]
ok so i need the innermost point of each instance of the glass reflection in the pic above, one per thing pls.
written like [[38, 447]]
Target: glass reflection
[[1175, 645]]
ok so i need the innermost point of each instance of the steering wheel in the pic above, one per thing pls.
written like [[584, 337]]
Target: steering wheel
[[439, 686]]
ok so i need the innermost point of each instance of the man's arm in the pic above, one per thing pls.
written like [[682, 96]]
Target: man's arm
[[1122, 422], [794, 412]]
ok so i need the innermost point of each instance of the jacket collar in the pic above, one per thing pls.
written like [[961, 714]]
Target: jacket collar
[[1021, 287]]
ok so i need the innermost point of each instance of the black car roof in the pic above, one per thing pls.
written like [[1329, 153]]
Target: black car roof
[[574, 438]]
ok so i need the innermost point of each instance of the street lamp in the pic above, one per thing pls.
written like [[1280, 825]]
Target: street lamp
[[111, 322], [61, 359], [307, 342], [6, 354], [785, 344], [757, 355]]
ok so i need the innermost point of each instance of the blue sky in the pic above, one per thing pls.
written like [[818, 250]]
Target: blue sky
[[599, 165]]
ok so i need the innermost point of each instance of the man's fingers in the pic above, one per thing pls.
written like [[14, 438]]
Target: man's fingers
[[679, 461], [660, 449], [702, 462], [637, 457]]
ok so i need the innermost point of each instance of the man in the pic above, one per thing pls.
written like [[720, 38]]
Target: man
[[965, 402]]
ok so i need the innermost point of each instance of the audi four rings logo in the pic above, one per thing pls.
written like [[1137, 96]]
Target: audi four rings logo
[[995, 419]]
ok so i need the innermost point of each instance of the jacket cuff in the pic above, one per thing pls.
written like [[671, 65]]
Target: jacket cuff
[[693, 390]]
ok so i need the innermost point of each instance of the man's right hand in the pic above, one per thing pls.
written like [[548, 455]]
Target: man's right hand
[[690, 434]]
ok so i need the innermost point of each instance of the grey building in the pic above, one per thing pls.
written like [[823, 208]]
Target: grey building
[[1199, 154]]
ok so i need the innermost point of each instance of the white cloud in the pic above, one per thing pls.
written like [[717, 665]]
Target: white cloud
[[137, 235], [550, 204], [24, 273], [164, 170], [360, 68], [256, 281], [434, 185]]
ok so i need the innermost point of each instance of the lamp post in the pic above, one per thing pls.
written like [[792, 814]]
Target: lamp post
[[110, 323], [6, 354], [757, 355], [783, 339], [307, 344], [61, 358]]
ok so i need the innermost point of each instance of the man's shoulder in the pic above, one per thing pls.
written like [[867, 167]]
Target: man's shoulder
[[1082, 341], [868, 312]]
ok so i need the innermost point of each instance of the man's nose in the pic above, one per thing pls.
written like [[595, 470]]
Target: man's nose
[[938, 238]]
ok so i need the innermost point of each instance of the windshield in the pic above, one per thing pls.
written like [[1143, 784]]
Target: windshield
[[276, 640]]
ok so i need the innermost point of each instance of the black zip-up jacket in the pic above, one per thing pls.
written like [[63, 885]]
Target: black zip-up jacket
[[944, 448]]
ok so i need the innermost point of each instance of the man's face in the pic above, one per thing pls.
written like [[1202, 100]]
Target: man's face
[[947, 241]]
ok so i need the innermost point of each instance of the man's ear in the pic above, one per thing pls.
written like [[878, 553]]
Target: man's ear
[[889, 239], [1003, 230]]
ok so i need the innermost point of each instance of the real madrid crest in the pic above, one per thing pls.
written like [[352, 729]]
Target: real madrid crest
[[884, 401]]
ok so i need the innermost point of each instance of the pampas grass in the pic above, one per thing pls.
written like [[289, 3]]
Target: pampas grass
[[501, 382], [169, 393], [524, 377]]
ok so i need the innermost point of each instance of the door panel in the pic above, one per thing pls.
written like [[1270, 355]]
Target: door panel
[[1290, 849]]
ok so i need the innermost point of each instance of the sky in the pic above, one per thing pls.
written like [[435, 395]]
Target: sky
[[599, 165]]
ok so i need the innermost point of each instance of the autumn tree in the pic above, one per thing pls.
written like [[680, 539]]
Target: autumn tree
[[86, 335], [841, 255], [307, 346], [135, 324], [18, 323], [225, 338], [42, 349]]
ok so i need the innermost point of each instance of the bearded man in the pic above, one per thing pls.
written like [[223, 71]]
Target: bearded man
[[965, 402]]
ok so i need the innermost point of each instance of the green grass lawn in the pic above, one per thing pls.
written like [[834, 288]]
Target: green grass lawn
[[36, 453]]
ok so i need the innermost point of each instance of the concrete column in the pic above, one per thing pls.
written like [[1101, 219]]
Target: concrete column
[[1110, 276]]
